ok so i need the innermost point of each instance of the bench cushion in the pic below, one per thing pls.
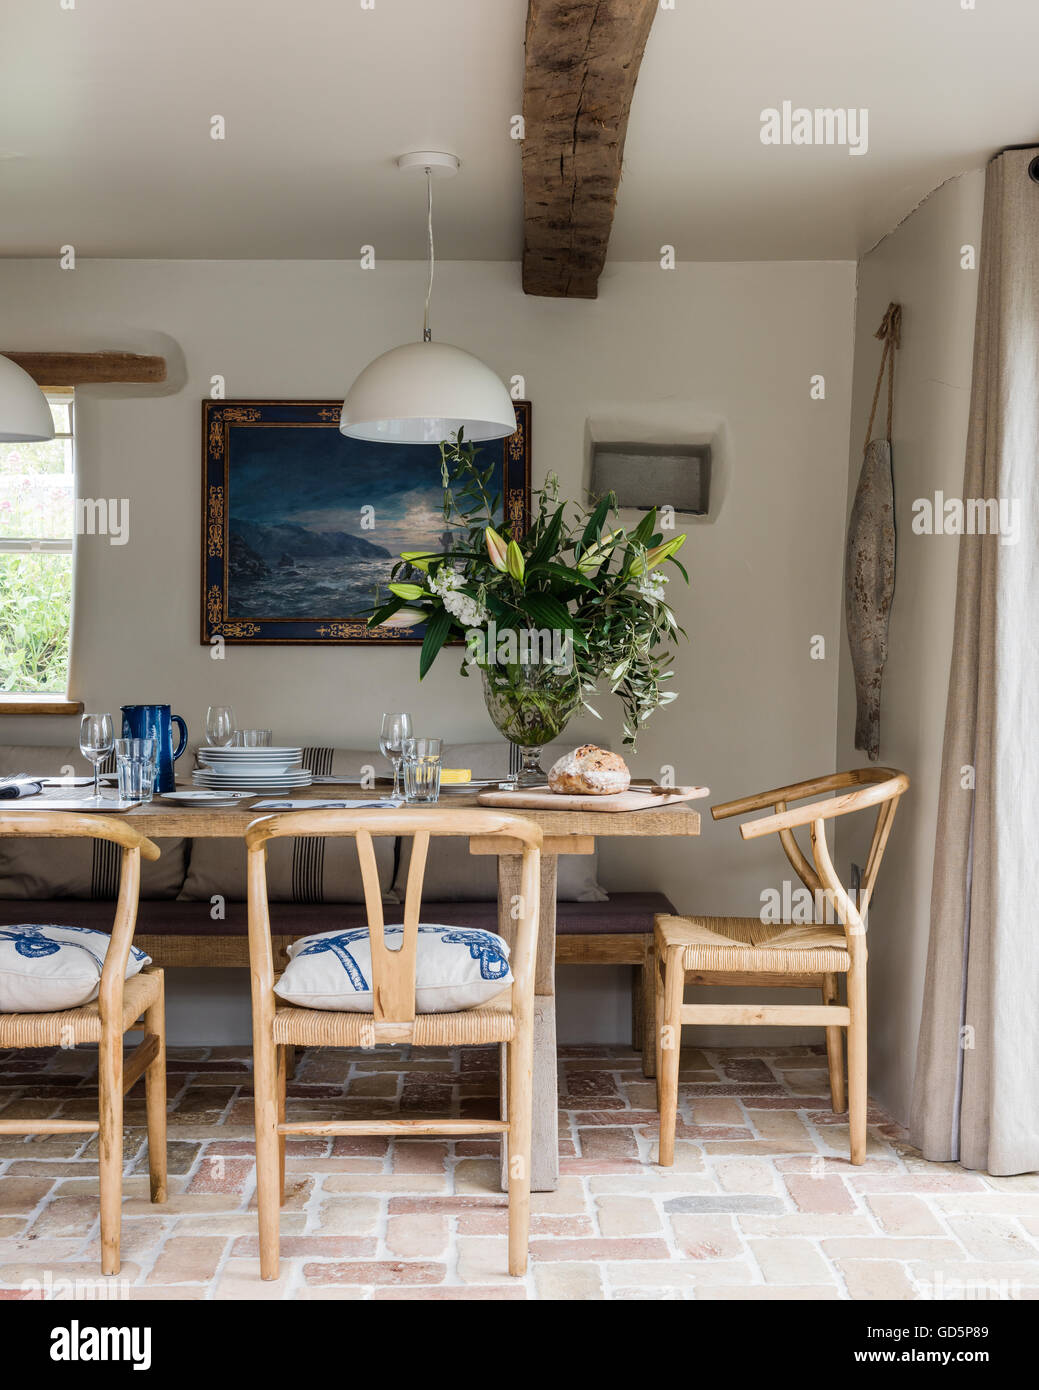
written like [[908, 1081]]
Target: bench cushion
[[455, 875], [625, 913], [78, 868], [303, 870]]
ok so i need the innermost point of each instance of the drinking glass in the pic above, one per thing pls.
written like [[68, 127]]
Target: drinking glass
[[395, 729], [96, 737], [421, 770], [220, 725], [135, 764], [253, 738]]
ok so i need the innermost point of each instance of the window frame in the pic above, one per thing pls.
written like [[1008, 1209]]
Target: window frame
[[51, 702]]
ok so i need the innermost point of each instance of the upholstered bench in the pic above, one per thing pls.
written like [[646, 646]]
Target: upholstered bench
[[178, 933], [313, 889]]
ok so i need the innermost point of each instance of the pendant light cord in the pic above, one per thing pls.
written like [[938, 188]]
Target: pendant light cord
[[427, 333]]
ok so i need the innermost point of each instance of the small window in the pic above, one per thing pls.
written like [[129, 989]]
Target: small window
[[37, 530], [652, 475]]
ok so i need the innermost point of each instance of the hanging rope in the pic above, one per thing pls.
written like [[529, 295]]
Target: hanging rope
[[427, 332], [890, 334]]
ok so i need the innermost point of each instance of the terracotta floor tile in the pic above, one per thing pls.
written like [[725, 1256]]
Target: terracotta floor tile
[[761, 1201]]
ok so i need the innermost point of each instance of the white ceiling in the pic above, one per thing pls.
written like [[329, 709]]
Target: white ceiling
[[105, 117]]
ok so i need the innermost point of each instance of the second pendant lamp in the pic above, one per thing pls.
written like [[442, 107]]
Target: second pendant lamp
[[422, 393]]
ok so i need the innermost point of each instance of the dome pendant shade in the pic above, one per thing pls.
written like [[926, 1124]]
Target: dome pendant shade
[[25, 416], [423, 393]]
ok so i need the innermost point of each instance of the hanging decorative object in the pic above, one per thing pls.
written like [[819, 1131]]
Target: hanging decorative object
[[869, 559], [423, 393]]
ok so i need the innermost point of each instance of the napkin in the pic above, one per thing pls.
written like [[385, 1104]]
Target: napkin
[[14, 787]]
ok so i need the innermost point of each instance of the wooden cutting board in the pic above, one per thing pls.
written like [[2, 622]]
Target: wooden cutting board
[[543, 799]]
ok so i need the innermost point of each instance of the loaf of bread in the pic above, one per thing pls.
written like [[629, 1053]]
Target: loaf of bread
[[589, 771]]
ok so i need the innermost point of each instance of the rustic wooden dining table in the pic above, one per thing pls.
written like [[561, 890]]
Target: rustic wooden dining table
[[565, 832]]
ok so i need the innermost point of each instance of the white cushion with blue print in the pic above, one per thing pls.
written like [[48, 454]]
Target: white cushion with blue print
[[455, 968], [45, 968]]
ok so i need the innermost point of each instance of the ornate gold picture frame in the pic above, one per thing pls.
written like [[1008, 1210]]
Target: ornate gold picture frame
[[301, 525]]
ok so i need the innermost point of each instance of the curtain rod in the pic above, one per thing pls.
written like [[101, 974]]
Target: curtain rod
[[1033, 167]]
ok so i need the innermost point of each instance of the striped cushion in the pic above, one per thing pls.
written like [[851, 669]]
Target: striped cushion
[[304, 870], [75, 868]]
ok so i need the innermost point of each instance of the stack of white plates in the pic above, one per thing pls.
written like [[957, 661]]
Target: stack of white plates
[[252, 769]]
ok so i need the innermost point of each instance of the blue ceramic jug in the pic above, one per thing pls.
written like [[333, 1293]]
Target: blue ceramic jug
[[148, 721]]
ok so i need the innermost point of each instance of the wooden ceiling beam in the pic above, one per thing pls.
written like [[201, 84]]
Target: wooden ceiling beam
[[582, 64], [90, 368]]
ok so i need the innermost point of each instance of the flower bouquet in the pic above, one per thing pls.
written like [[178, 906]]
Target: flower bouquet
[[545, 615]]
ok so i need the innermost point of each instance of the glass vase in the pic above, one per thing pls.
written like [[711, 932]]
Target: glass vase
[[530, 705]]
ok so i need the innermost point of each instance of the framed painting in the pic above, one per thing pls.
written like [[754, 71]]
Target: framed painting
[[301, 525]]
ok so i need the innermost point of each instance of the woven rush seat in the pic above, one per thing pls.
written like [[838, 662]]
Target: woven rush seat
[[490, 1023], [746, 943], [82, 1025], [319, 1028]]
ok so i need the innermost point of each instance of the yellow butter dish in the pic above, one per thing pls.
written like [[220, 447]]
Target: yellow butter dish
[[453, 775]]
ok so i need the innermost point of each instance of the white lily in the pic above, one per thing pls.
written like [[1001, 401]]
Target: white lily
[[404, 617]]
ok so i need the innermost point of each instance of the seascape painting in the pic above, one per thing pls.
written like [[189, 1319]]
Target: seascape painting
[[303, 525]]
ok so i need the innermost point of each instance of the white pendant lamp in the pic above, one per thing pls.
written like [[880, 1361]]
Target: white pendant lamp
[[422, 393], [25, 416]]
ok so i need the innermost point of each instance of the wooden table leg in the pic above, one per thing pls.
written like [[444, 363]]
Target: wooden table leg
[[544, 1175]]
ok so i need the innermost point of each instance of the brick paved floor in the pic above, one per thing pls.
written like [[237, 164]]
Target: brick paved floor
[[761, 1202]]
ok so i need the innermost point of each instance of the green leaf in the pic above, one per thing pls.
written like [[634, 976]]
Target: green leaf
[[386, 611], [437, 630], [574, 577], [548, 612], [546, 546], [595, 523], [644, 530]]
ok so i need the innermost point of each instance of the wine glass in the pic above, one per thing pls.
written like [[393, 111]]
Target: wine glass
[[96, 741], [220, 726], [395, 729]]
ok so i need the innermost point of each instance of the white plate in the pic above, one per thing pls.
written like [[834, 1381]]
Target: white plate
[[226, 774], [202, 779], [252, 770], [280, 759], [253, 783], [247, 765], [233, 754], [206, 798]]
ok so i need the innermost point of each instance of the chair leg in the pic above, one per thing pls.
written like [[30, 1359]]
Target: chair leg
[[284, 1062], [268, 1187], [669, 1024], [834, 1050], [658, 1014], [857, 1063], [110, 1146], [519, 1082], [647, 975], [155, 1095]]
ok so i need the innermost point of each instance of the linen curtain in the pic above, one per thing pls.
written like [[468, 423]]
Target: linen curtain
[[976, 1092]]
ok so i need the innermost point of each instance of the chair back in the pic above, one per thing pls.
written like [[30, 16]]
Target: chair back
[[393, 971], [67, 825], [860, 789]]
